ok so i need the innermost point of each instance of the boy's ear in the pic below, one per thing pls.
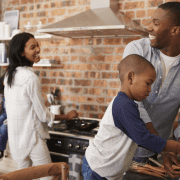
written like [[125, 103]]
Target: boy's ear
[[130, 77]]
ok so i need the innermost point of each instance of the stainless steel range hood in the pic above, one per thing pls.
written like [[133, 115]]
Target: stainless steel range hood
[[103, 19]]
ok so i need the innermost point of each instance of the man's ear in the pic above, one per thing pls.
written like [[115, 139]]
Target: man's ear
[[175, 30], [130, 77]]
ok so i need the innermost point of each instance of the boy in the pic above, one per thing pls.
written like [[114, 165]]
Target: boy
[[121, 129]]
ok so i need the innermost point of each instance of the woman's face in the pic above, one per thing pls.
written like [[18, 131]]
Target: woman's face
[[32, 50]]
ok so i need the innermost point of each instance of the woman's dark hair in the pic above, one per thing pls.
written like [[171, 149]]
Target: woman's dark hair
[[16, 48], [174, 9], [2, 84]]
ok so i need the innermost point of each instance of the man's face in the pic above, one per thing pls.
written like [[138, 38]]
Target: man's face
[[160, 29]]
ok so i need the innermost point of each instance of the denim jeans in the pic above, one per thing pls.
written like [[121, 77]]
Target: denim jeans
[[87, 172]]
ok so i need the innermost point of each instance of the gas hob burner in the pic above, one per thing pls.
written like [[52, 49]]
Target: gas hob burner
[[77, 126]]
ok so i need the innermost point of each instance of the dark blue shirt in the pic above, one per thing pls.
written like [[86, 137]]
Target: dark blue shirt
[[127, 118]]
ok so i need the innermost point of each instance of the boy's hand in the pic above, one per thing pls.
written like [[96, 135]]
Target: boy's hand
[[72, 114], [168, 160]]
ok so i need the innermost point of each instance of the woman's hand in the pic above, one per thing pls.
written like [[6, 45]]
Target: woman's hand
[[72, 114]]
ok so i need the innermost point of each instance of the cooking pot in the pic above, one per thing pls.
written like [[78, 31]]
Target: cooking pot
[[80, 124]]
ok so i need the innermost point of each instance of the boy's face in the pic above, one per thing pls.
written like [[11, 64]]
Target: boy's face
[[141, 84]]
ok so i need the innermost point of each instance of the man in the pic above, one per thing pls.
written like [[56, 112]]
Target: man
[[162, 49]]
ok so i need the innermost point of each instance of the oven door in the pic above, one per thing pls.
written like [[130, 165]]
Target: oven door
[[59, 157]]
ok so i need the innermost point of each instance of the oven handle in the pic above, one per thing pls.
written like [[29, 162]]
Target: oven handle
[[59, 154]]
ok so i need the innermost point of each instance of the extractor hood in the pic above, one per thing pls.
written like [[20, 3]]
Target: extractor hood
[[103, 19]]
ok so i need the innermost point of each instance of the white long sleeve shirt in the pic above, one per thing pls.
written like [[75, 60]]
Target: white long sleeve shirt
[[26, 112]]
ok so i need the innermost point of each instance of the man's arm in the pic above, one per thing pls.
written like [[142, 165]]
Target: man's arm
[[150, 127]]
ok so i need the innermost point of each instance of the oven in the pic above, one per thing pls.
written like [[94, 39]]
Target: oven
[[68, 140]]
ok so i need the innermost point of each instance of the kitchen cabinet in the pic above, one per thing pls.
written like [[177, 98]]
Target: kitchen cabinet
[[46, 36]]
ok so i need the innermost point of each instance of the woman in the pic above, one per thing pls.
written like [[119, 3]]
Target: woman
[[26, 112]]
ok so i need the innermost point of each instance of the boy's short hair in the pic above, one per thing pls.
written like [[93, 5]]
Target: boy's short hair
[[134, 63]]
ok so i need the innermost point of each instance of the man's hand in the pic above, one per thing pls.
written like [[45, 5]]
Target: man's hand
[[168, 160], [72, 114]]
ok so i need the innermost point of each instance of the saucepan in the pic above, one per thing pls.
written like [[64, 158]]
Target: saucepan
[[80, 124]]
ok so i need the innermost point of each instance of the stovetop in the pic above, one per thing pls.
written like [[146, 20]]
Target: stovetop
[[60, 128]]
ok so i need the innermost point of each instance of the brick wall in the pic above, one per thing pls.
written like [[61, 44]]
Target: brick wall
[[88, 78]]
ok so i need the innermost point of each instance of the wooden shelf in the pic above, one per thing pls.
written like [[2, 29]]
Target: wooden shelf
[[46, 36], [37, 65]]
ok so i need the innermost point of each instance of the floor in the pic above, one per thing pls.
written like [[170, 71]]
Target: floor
[[7, 164]]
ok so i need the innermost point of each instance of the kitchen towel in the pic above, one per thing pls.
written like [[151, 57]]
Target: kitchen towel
[[75, 164]]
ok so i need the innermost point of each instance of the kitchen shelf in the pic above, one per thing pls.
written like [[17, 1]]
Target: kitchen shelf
[[37, 65], [46, 36]]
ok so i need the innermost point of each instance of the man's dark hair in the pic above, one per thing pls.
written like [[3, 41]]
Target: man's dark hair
[[134, 63], [174, 10]]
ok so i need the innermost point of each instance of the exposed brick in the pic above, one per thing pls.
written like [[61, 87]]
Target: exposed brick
[[100, 58], [90, 99], [82, 58], [130, 14], [77, 42], [75, 90], [81, 99], [74, 58], [73, 98], [112, 92], [82, 82], [83, 2], [129, 39], [150, 12], [45, 89], [65, 82], [109, 58], [79, 66], [48, 81], [89, 107], [112, 41], [54, 74], [100, 83], [57, 12], [92, 91], [114, 84], [108, 99], [92, 74], [102, 66], [102, 108], [100, 100], [134, 5], [84, 50], [154, 3], [119, 50], [12, 2], [102, 50], [146, 22], [73, 74], [51, 20], [64, 97], [140, 13], [110, 75]]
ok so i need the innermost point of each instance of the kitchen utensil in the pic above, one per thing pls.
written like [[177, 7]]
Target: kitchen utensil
[[78, 124], [55, 109], [49, 97]]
